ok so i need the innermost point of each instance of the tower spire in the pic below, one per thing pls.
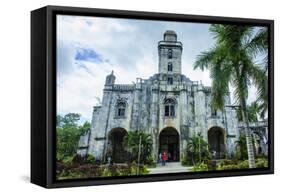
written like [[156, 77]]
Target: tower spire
[[169, 52], [110, 79]]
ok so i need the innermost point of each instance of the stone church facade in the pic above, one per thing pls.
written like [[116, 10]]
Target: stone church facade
[[168, 105]]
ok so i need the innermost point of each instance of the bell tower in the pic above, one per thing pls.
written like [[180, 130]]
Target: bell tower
[[110, 79], [169, 52]]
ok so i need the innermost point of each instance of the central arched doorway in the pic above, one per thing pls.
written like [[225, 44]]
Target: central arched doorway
[[169, 142], [116, 148], [216, 141]]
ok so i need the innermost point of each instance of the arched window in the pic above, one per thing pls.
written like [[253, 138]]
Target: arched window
[[213, 112], [169, 107], [170, 80], [170, 66], [120, 109], [170, 53]]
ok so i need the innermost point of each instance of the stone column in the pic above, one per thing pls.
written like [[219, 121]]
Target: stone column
[[135, 120], [200, 111], [154, 113], [99, 130], [184, 130], [232, 129]]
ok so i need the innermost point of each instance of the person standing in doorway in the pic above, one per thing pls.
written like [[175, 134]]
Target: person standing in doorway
[[164, 158], [160, 158]]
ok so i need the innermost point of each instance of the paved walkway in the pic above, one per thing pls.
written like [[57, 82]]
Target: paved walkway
[[170, 167]]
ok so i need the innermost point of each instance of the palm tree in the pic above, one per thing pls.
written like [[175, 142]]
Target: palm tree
[[253, 110], [198, 148], [231, 62], [131, 142], [241, 146], [259, 45]]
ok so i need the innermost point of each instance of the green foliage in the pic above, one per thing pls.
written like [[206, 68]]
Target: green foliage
[[68, 160], [232, 62], [262, 163], [184, 162], [72, 170], [150, 161], [134, 168], [241, 148], [68, 120], [67, 141], [233, 165], [68, 134], [142, 169], [200, 167], [152, 165], [229, 165], [90, 159], [131, 142], [242, 164], [197, 149], [253, 110], [106, 172]]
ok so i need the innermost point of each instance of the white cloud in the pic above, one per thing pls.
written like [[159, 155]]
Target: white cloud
[[129, 47]]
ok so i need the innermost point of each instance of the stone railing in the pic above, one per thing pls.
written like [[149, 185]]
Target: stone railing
[[257, 124], [124, 87]]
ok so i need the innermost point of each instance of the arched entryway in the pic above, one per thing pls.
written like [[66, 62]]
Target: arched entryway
[[169, 142], [116, 148], [216, 141]]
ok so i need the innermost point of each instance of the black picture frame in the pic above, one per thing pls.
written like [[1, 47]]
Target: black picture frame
[[43, 94]]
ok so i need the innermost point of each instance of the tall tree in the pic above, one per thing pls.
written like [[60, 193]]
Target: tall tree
[[253, 111], [68, 133], [259, 46], [197, 148], [231, 62], [241, 146], [131, 142]]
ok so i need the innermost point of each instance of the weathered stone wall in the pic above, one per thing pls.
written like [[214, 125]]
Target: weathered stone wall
[[164, 60], [83, 143], [145, 108], [145, 111]]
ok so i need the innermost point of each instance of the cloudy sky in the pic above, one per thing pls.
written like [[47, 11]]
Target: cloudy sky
[[89, 48]]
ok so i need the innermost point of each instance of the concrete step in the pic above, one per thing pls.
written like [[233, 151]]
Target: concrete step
[[170, 167]]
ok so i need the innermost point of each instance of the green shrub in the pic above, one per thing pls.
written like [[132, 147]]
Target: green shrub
[[211, 164], [200, 167], [144, 170], [106, 172], [197, 149], [184, 162], [131, 142], [150, 161], [68, 160], [68, 132], [261, 163], [133, 168], [90, 159], [151, 165], [243, 164], [233, 164], [227, 167]]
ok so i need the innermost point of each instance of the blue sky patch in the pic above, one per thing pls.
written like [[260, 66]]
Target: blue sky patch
[[84, 54]]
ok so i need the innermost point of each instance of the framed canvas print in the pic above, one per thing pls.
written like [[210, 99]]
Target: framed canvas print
[[126, 96]]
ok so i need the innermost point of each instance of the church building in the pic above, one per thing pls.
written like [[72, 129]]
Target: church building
[[168, 105]]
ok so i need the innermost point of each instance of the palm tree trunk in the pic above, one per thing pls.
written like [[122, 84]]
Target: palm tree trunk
[[250, 147]]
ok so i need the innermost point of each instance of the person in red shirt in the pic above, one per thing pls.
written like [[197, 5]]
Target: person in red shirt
[[164, 158]]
